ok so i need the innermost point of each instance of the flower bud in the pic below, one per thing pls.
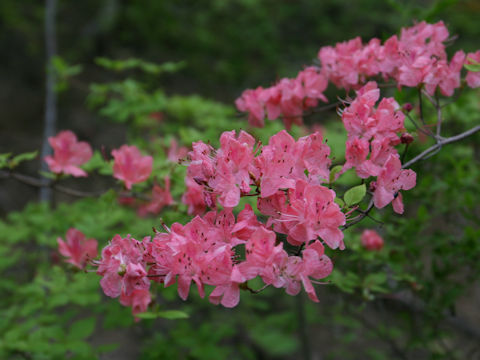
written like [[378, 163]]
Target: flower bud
[[373, 186], [408, 107], [406, 138], [371, 240]]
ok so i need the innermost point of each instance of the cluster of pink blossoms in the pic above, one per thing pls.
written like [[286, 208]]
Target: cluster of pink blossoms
[[372, 135], [416, 57], [288, 98], [286, 175], [206, 251]]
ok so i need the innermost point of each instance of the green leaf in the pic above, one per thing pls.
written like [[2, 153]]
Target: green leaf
[[4, 160], [134, 63], [473, 66], [23, 157], [147, 315], [339, 201], [335, 170], [168, 314], [173, 314], [355, 195], [82, 329]]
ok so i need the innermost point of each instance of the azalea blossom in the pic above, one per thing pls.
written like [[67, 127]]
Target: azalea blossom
[[130, 166], [77, 248], [371, 240], [390, 181], [68, 154]]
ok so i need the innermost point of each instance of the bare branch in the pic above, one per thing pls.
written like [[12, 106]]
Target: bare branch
[[441, 142]]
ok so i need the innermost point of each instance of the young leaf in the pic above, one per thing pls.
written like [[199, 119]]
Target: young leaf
[[168, 314], [23, 157], [355, 195], [173, 314], [335, 170], [4, 160]]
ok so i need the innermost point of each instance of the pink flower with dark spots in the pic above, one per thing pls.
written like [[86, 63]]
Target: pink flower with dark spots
[[371, 240], [68, 154], [122, 267], [313, 213], [78, 249], [130, 166], [390, 181]]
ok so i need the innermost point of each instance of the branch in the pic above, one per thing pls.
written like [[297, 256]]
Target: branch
[[356, 220], [440, 142], [45, 183]]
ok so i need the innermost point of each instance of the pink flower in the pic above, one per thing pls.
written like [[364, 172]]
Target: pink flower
[[77, 248], [175, 153], [312, 212], [473, 78], [122, 267], [390, 181], [137, 299], [195, 198], [68, 154], [250, 102], [161, 197], [130, 166], [371, 240]]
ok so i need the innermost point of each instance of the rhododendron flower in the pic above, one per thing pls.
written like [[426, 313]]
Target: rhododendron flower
[[161, 197], [68, 154], [77, 248], [122, 267], [137, 299], [175, 153], [473, 78], [312, 212], [390, 181], [130, 166], [371, 240]]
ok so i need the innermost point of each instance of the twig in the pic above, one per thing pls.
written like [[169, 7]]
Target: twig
[[440, 142], [425, 132], [439, 117], [363, 214], [420, 106], [44, 183]]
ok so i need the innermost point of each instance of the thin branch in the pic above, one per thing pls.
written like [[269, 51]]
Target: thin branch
[[425, 132], [356, 220], [436, 104], [439, 117], [51, 184], [420, 106], [441, 142]]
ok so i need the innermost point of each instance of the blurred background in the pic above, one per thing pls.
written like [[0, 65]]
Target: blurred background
[[416, 299]]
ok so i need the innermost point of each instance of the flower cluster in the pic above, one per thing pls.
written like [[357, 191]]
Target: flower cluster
[[206, 251], [416, 57], [372, 135], [288, 98]]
